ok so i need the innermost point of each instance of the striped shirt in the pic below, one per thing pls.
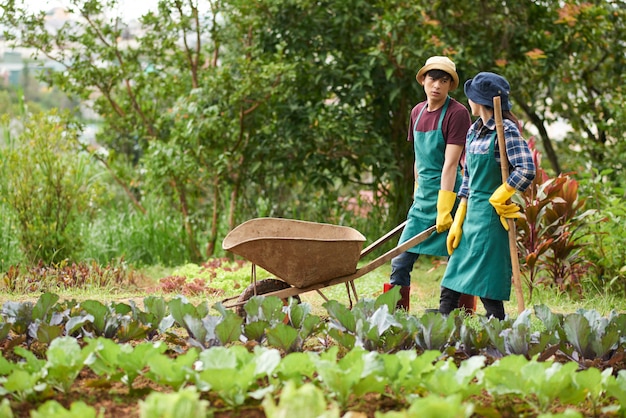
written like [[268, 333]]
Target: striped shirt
[[521, 166]]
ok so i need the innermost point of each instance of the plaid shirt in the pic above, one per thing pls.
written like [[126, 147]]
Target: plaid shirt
[[521, 165]]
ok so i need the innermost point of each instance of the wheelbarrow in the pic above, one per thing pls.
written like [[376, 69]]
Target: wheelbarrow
[[306, 256]]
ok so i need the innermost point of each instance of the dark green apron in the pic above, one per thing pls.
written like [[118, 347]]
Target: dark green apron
[[481, 265], [430, 148]]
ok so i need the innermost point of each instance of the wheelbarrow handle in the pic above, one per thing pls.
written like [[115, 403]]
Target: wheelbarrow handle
[[383, 239]]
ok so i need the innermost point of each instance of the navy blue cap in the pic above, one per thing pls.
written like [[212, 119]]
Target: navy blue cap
[[485, 86]]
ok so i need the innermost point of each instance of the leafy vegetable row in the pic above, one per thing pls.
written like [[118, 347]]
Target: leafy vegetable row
[[330, 380], [584, 336]]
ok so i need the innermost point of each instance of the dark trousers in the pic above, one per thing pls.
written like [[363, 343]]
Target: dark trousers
[[401, 267], [449, 301]]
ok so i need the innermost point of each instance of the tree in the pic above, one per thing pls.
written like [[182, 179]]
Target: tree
[[231, 109]]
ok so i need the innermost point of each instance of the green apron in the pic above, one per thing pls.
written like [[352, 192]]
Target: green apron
[[481, 265], [430, 148]]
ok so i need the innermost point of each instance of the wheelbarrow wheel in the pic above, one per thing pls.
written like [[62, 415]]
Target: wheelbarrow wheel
[[262, 287]]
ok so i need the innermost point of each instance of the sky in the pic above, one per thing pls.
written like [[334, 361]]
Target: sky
[[129, 9]]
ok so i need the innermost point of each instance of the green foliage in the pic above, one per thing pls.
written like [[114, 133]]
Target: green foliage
[[174, 373], [141, 239], [65, 361], [604, 235], [215, 372], [65, 276], [431, 382], [306, 401], [254, 113], [185, 403], [53, 409], [50, 185], [10, 252]]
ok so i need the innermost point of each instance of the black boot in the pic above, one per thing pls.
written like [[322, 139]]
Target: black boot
[[448, 300]]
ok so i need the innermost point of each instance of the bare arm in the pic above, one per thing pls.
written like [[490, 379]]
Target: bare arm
[[450, 164]]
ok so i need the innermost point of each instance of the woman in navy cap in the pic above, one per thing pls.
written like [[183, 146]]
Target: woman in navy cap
[[480, 262]]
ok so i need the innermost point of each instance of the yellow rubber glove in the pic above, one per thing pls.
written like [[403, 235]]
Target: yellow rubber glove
[[456, 230], [506, 210], [445, 203]]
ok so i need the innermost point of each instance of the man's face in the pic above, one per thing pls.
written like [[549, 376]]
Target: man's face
[[436, 90]]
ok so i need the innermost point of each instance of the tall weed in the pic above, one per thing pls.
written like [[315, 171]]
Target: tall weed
[[606, 236], [154, 238]]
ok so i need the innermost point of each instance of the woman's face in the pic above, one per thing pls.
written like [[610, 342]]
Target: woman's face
[[474, 107]]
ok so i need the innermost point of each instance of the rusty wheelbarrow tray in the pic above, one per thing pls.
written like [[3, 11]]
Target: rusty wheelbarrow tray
[[309, 256]]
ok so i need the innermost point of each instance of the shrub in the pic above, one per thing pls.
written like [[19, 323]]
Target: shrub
[[50, 186], [551, 238]]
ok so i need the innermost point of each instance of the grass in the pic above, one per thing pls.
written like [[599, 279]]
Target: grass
[[426, 278]]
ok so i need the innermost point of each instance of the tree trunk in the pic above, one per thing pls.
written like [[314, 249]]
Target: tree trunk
[[192, 245], [210, 249], [539, 123]]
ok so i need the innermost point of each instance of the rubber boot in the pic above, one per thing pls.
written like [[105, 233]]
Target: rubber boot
[[468, 303], [403, 303], [405, 292], [448, 300]]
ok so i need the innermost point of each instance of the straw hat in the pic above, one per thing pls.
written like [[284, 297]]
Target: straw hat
[[439, 63]]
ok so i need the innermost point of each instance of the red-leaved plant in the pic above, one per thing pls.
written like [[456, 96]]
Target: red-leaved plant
[[549, 236]]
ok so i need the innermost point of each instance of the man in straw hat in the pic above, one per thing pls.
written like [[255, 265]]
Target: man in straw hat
[[438, 129]]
